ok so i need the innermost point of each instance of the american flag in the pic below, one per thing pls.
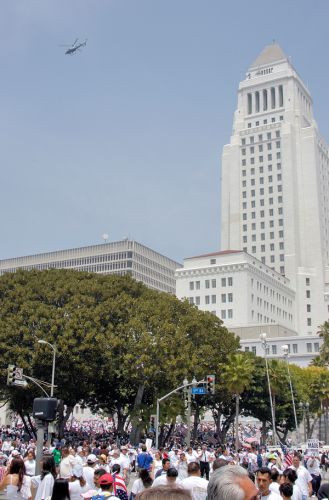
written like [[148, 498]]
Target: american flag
[[288, 460]]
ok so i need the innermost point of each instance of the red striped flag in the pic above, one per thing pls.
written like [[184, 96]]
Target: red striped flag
[[288, 460]]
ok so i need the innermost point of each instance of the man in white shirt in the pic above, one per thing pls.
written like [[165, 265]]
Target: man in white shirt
[[125, 464], [205, 458], [264, 480], [313, 467], [194, 483], [168, 479], [304, 478]]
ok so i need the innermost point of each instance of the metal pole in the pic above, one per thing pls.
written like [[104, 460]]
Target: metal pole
[[293, 402], [271, 401], [188, 434], [53, 373], [41, 429], [157, 425]]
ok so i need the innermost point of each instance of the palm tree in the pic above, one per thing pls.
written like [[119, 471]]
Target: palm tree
[[237, 376]]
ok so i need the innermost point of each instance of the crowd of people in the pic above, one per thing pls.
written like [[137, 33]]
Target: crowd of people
[[97, 470]]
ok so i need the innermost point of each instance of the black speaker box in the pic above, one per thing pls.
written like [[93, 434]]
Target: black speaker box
[[45, 408]]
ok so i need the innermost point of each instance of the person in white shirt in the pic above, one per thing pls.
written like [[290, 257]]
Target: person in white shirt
[[194, 483], [205, 458], [304, 478], [29, 462], [182, 466], [77, 485], [313, 467], [191, 456], [66, 464], [125, 464], [174, 458], [89, 470], [142, 483], [45, 482], [263, 481], [169, 479], [290, 476]]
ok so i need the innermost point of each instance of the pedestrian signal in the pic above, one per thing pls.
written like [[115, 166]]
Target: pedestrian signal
[[210, 384]]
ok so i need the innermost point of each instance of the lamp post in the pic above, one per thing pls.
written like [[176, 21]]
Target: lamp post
[[285, 349], [264, 345], [305, 408], [54, 364]]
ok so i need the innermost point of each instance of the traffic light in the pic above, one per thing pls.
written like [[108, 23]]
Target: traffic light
[[210, 384], [11, 372]]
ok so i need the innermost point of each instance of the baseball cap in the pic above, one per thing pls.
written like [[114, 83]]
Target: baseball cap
[[92, 458], [105, 479]]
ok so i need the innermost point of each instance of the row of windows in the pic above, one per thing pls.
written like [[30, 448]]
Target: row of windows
[[260, 179], [273, 349], [260, 137], [264, 248], [212, 299], [251, 149], [260, 168], [262, 100], [270, 235], [266, 290], [265, 121], [196, 285], [261, 158]]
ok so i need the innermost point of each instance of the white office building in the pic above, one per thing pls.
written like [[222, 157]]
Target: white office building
[[275, 185], [238, 288], [250, 298], [119, 257]]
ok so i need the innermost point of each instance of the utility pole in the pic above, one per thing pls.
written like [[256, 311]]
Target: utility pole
[[188, 417]]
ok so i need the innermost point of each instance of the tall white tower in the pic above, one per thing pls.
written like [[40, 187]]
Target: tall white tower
[[275, 184]]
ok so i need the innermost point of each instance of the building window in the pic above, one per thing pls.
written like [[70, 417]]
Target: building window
[[223, 297], [223, 281], [309, 347], [272, 97], [280, 96], [253, 348], [295, 348], [223, 314], [230, 313], [207, 299], [308, 308], [246, 349], [213, 299], [309, 321], [213, 283], [249, 104], [230, 281], [307, 281], [264, 100], [197, 301], [230, 297], [191, 285], [212, 261], [197, 285], [257, 101], [308, 294], [316, 347], [207, 284], [274, 349], [191, 300]]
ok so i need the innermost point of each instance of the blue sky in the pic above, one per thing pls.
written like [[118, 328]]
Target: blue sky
[[126, 136]]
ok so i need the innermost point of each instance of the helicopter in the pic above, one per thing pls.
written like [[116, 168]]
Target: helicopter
[[76, 45]]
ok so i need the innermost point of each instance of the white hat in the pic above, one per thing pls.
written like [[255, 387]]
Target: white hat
[[92, 458]]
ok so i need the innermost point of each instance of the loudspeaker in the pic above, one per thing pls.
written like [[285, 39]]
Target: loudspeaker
[[45, 408]]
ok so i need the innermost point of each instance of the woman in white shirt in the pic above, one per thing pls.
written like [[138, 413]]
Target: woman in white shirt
[[157, 463], [78, 484], [29, 462], [45, 481], [16, 482]]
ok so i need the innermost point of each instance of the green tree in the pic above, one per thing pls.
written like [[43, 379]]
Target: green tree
[[237, 377]]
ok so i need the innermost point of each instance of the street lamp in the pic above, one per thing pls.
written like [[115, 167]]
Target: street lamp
[[264, 345], [285, 349], [54, 363]]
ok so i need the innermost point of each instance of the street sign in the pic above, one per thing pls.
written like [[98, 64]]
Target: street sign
[[199, 390]]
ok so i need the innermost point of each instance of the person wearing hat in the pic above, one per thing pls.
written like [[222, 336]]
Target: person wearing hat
[[78, 484], [89, 469], [106, 485]]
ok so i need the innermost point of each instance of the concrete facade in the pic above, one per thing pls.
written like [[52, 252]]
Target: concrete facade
[[119, 257], [275, 184]]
